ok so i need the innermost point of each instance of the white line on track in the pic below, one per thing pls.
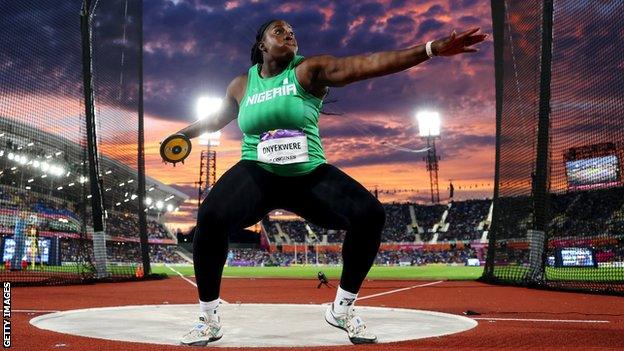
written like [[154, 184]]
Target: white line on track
[[187, 279], [541, 320], [181, 275], [394, 291], [35, 311], [399, 290]]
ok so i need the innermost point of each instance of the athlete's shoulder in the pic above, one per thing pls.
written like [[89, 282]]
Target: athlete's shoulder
[[239, 79], [310, 66], [316, 60], [237, 87]]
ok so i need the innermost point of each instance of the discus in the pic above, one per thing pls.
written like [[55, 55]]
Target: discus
[[175, 148]]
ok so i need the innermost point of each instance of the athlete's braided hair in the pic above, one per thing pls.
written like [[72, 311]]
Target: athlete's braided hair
[[256, 54]]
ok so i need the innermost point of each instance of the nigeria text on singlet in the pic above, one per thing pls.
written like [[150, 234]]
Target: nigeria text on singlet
[[279, 121]]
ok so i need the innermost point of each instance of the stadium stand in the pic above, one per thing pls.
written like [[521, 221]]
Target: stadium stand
[[412, 257]]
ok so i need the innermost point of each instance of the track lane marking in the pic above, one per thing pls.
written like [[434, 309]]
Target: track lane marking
[[393, 291], [399, 290], [541, 320], [188, 280], [35, 311]]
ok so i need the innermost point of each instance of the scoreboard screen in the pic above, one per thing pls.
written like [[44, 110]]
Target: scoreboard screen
[[593, 166], [594, 171], [41, 256], [575, 257]]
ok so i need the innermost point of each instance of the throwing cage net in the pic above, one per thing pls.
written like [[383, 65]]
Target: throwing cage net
[[46, 212], [558, 218]]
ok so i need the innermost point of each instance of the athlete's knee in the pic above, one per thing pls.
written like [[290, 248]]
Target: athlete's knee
[[209, 218], [372, 216]]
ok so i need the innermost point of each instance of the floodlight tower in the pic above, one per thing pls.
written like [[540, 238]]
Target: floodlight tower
[[208, 161], [429, 130]]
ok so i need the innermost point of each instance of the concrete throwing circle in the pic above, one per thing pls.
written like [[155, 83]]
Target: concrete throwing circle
[[249, 325]]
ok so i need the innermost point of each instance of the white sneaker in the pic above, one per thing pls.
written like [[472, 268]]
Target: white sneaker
[[352, 324], [205, 331]]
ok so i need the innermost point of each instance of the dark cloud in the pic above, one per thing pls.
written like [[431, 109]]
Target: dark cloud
[[400, 24], [434, 10], [370, 10], [390, 156], [470, 21], [457, 145], [429, 25], [349, 127], [462, 4]]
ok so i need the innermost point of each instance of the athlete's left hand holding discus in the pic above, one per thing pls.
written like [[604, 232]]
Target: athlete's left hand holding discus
[[277, 104]]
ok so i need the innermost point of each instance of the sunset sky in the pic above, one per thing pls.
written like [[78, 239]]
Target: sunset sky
[[195, 48]]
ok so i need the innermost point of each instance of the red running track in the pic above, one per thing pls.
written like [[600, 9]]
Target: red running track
[[450, 297]]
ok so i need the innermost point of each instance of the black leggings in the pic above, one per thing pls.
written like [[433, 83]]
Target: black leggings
[[326, 197]]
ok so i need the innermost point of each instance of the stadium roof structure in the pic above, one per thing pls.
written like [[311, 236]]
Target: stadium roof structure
[[27, 140]]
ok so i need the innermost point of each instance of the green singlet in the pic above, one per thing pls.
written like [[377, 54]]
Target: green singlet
[[279, 121]]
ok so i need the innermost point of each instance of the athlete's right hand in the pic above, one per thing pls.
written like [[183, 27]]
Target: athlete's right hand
[[458, 43]]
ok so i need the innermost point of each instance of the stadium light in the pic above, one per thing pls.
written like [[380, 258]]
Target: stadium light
[[56, 170], [429, 130], [207, 105], [428, 123], [210, 139], [159, 204], [169, 208], [11, 156], [148, 201]]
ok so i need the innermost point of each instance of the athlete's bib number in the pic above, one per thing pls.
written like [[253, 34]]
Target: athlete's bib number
[[282, 146]]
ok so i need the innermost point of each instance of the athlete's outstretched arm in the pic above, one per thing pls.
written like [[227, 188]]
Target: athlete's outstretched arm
[[226, 114], [332, 71]]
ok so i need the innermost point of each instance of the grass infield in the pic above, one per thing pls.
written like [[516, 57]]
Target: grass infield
[[428, 272]]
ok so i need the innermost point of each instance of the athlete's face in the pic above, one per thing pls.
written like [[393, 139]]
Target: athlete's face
[[279, 40]]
